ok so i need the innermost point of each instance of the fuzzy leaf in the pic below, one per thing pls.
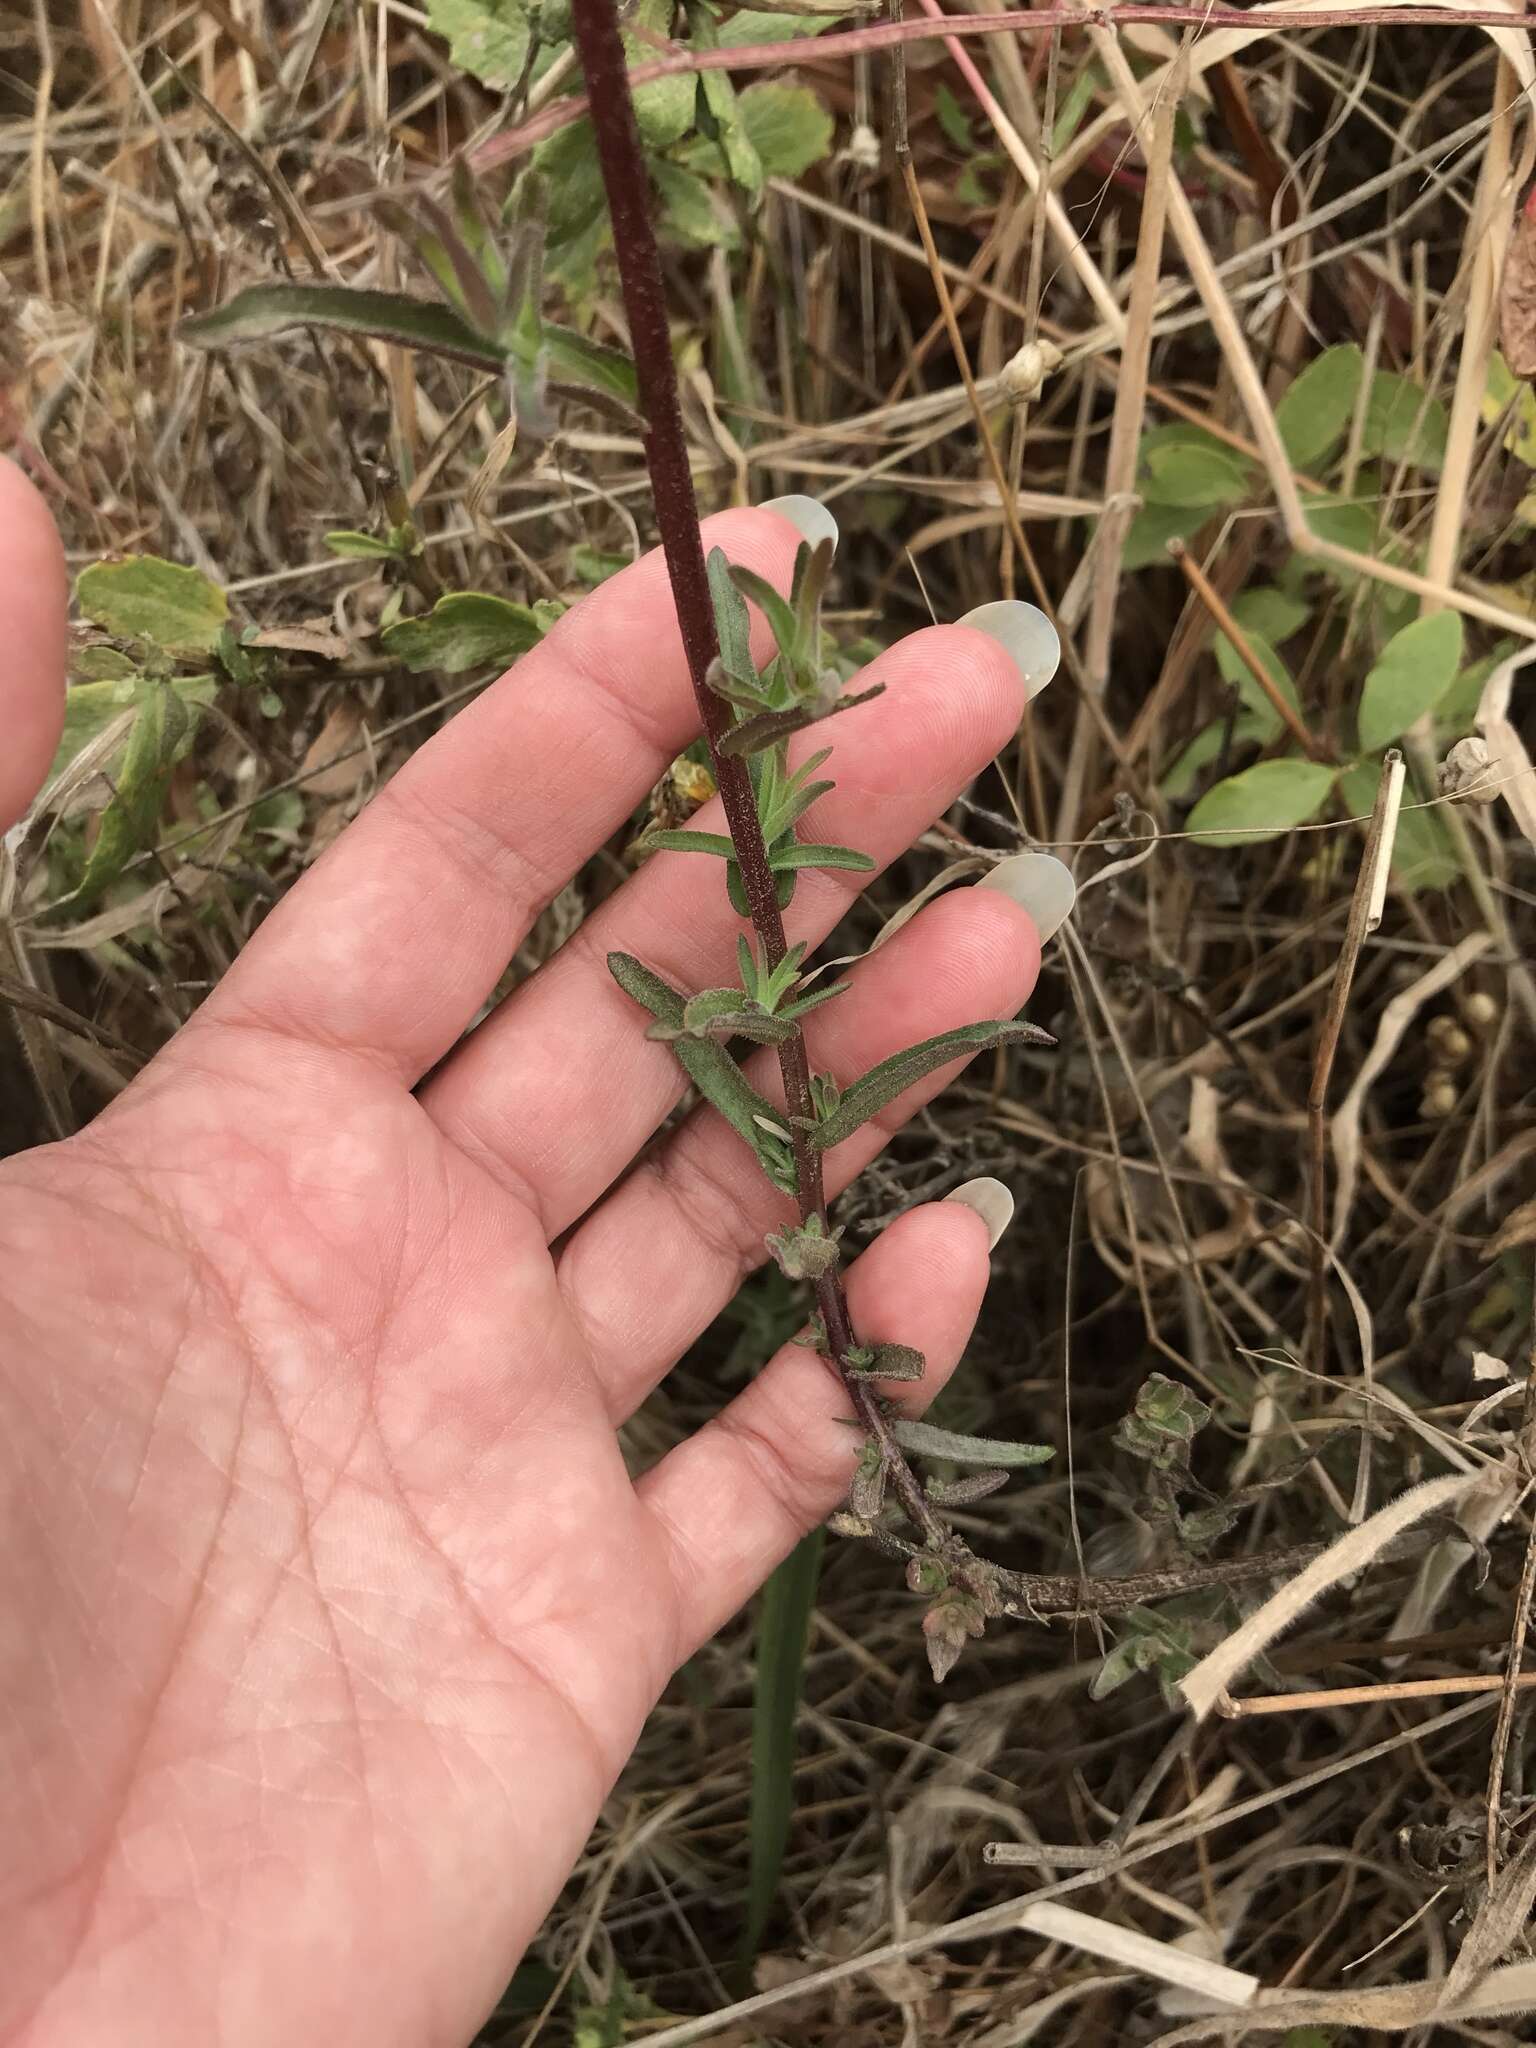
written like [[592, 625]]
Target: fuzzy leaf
[[1188, 476], [788, 127], [885, 1362], [1417, 667], [464, 629], [774, 608], [576, 359], [664, 108], [690, 842], [89, 708], [733, 625], [145, 598], [487, 38], [800, 855], [964, 1493], [769, 727], [1262, 803], [892, 1077], [129, 821], [929, 1441], [263, 310], [1235, 671], [687, 205], [710, 1068]]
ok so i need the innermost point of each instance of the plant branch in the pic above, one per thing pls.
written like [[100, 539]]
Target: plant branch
[[666, 452], [888, 34]]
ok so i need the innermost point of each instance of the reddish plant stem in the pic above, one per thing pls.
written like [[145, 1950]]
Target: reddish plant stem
[[666, 452], [888, 34]]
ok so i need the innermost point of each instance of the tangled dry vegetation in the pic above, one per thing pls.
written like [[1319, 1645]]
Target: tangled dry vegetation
[[1281, 1161]]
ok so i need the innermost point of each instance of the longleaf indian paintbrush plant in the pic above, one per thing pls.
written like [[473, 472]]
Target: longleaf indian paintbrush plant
[[749, 715]]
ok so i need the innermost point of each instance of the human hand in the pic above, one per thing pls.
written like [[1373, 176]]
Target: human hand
[[330, 1609]]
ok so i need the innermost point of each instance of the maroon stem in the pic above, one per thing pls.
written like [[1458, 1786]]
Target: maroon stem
[[666, 453]]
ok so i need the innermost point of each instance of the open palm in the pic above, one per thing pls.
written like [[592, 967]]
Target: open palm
[[330, 1610]]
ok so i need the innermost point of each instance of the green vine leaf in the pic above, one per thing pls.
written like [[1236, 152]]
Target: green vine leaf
[[892, 1077], [929, 1441], [1417, 667], [1316, 408], [1262, 803]]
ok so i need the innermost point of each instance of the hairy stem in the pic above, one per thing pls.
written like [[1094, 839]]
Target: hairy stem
[[666, 452]]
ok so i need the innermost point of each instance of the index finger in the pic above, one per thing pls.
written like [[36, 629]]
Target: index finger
[[391, 944]]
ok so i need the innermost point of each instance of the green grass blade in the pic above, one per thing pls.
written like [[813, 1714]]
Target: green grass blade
[[783, 1629]]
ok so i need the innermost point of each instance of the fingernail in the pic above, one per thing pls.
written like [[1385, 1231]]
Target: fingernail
[[992, 1202], [1038, 883], [808, 516], [1023, 632]]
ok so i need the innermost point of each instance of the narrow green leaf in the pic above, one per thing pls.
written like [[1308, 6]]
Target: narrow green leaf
[[263, 310], [487, 38], [361, 547], [892, 1077], [783, 1630], [723, 109], [1314, 413], [464, 629], [804, 1004], [1262, 803], [145, 598], [800, 855], [709, 1066], [929, 1441], [774, 608], [1416, 668], [752, 25], [690, 842], [577, 359], [733, 624]]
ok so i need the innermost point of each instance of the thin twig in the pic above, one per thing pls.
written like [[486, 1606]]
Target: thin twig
[[1246, 653]]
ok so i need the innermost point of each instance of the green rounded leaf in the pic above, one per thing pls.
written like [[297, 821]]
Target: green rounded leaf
[[1188, 475], [1271, 613], [1261, 803], [788, 127], [1238, 674], [1403, 423], [1417, 667], [487, 38], [1315, 412], [145, 598], [464, 629]]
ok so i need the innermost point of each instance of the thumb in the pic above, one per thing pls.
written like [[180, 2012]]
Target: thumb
[[34, 609]]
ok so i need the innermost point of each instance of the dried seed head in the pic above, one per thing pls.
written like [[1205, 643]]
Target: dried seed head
[[1023, 376], [863, 151], [1480, 1010], [1450, 1041], [1440, 1095], [1467, 773]]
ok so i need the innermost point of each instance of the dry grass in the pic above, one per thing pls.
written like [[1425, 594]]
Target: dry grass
[[1353, 185]]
